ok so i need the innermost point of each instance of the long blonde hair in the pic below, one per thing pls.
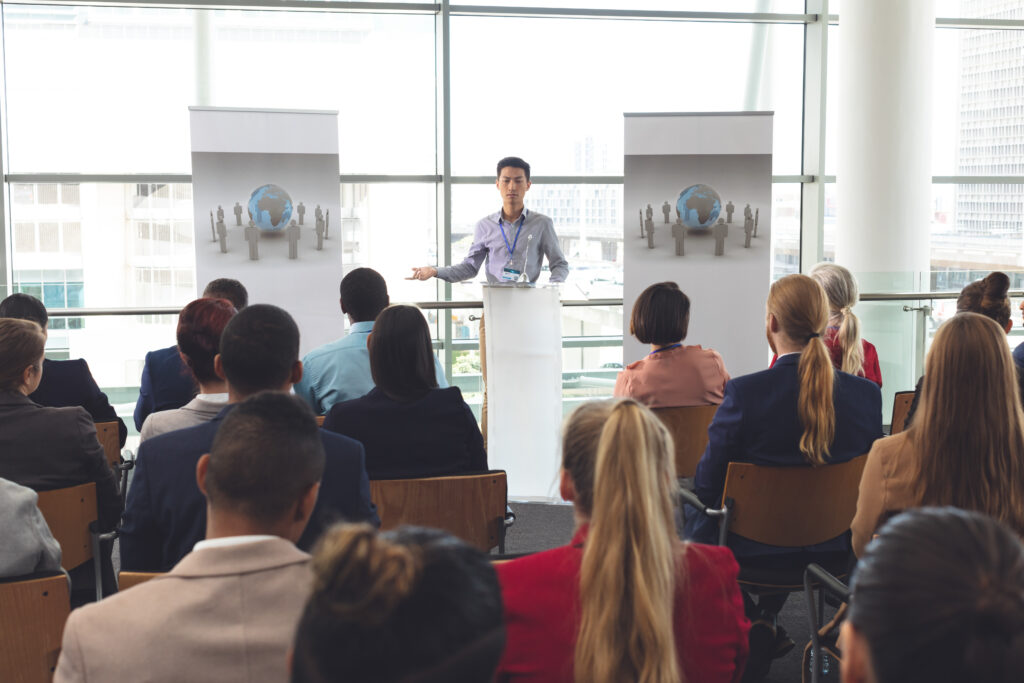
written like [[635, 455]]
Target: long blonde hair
[[841, 289], [801, 308], [620, 458], [968, 432]]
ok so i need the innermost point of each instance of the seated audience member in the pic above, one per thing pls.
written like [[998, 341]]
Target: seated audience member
[[340, 371], [938, 598], [408, 426], [46, 448], [65, 382], [625, 600], [966, 445], [165, 513], [671, 374], [199, 328], [801, 412], [227, 611], [849, 352], [28, 546], [987, 297], [166, 382], [404, 606]]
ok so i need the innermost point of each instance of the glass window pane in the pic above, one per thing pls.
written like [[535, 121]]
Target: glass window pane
[[115, 216], [24, 238], [131, 115], [392, 228], [574, 125], [784, 6]]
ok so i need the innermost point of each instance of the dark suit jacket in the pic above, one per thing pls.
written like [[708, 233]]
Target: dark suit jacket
[[166, 384], [758, 423], [69, 383], [166, 513], [52, 448], [434, 436]]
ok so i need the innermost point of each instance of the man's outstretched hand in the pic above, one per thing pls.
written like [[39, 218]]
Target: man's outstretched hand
[[424, 273]]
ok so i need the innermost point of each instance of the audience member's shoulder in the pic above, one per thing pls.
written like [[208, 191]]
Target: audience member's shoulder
[[705, 562], [340, 444], [857, 384], [321, 351], [545, 565], [172, 442], [161, 355]]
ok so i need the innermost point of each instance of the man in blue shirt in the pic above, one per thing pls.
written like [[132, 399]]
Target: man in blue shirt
[[512, 241], [340, 371]]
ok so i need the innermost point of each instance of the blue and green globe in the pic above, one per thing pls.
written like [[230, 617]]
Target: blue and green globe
[[270, 207], [699, 206]]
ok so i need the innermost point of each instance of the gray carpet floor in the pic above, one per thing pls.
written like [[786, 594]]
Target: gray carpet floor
[[541, 526]]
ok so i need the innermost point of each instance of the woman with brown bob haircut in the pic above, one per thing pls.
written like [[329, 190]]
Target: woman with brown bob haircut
[[408, 426], [671, 374], [966, 445]]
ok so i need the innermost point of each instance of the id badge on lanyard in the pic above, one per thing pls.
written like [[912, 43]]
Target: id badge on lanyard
[[509, 273]]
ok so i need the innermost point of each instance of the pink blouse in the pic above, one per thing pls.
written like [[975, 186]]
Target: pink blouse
[[683, 376]]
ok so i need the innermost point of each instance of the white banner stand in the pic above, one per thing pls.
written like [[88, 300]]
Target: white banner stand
[[524, 386]]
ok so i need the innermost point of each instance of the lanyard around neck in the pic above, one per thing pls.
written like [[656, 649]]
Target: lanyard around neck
[[666, 348], [512, 249]]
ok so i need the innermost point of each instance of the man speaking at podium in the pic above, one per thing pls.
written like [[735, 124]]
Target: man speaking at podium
[[513, 242]]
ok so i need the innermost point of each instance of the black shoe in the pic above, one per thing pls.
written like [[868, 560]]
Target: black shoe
[[762, 648], [783, 643]]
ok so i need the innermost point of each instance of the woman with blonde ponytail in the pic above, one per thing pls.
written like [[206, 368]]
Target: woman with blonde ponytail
[[625, 601], [406, 606], [799, 412], [849, 352]]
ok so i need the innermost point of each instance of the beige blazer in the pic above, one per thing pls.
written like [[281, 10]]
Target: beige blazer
[[887, 485], [223, 614]]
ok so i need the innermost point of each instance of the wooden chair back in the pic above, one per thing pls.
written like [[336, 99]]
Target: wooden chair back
[[31, 625], [110, 439], [793, 506], [900, 408], [320, 420], [126, 580], [689, 428], [68, 513], [471, 506]]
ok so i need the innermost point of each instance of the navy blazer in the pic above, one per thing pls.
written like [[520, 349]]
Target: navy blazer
[[165, 513], [69, 383], [166, 384], [433, 436], [757, 422]]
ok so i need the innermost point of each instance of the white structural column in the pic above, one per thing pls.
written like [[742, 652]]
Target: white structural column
[[884, 156]]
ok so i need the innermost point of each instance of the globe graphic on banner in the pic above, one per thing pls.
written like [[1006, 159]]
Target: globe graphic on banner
[[270, 207], [699, 206]]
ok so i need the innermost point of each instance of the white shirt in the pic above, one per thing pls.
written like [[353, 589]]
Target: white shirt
[[231, 540]]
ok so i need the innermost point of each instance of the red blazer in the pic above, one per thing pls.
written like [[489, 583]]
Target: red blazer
[[542, 614], [871, 369]]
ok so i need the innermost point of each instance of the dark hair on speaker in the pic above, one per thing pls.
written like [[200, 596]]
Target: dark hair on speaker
[[513, 162]]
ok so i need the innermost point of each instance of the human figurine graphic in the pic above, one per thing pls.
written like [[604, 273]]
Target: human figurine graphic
[[220, 213], [720, 230], [642, 234], [302, 212], [319, 213], [252, 236], [650, 233], [327, 225], [238, 214], [319, 232], [294, 233], [747, 213], [650, 213], [748, 231], [679, 234], [213, 230], [667, 210], [222, 235], [729, 208], [757, 217]]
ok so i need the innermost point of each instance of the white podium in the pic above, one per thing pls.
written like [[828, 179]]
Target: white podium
[[524, 386]]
